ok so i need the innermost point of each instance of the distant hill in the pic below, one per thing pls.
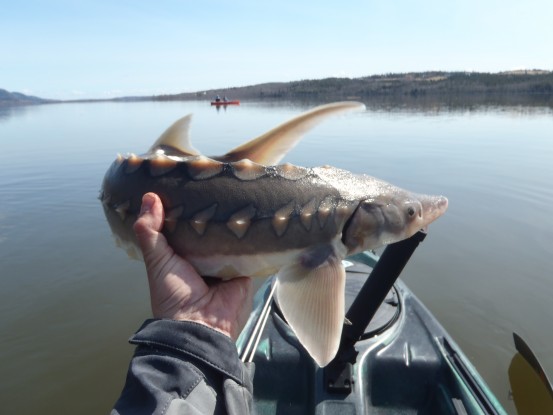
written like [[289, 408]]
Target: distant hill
[[524, 82], [17, 98], [518, 86]]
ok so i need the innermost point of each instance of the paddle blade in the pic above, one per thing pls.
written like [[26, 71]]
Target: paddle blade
[[532, 391]]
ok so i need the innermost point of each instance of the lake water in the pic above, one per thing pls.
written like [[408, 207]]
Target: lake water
[[69, 299]]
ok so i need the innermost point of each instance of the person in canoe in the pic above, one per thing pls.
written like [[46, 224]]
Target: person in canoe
[[217, 98], [185, 359]]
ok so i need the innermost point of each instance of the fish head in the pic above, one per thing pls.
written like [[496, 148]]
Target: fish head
[[390, 218]]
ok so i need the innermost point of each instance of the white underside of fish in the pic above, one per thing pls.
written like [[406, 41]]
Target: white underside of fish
[[230, 266]]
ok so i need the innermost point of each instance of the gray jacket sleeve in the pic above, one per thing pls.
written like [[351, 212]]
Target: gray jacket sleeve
[[182, 367]]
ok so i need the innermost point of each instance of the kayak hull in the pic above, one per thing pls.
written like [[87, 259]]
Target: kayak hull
[[224, 103], [406, 363]]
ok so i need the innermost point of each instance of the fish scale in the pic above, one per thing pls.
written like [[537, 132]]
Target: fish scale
[[242, 213]]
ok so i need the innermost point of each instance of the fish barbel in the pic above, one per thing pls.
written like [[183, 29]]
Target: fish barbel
[[244, 214]]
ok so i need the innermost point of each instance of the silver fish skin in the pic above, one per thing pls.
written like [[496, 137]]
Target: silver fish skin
[[235, 215]]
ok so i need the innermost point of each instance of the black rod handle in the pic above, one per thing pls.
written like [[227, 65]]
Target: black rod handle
[[378, 284]]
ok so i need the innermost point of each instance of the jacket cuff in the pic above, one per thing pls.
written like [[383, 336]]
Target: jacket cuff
[[192, 340]]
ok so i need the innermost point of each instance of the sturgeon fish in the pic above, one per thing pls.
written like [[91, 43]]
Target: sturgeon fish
[[244, 214]]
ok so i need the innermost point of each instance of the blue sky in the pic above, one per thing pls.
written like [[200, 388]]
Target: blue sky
[[96, 49]]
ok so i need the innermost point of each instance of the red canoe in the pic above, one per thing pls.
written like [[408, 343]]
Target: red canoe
[[235, 102]]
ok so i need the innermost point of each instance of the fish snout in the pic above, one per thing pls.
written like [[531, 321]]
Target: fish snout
[[432, 208]]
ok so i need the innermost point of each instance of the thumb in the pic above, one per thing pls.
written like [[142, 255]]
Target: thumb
[[148, 225]]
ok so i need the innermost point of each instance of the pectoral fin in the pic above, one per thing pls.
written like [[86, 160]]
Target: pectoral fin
[[312, 301], [176, 139], [271, 147]]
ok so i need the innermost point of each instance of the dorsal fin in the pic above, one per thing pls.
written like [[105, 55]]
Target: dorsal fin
[[271, 147], [176, 140]]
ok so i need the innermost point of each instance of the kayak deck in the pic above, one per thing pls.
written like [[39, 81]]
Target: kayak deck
[[406, 362]]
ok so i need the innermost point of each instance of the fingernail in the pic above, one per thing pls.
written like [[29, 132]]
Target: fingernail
[[147, 203]]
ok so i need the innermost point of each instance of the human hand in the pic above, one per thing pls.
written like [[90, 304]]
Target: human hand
[[177, 291]]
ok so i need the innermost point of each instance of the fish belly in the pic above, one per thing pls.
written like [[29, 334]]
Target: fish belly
[[253, 265]]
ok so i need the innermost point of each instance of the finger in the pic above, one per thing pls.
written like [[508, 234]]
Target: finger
[[242, 289], [166, 271], [246, 289], [148, 225]]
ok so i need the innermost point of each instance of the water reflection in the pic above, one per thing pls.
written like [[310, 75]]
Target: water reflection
[[8, 111], [526, 104], [434, 104]]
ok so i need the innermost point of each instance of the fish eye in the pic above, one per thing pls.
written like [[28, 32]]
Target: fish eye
[[410, 211]]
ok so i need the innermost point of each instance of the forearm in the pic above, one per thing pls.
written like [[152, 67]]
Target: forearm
[[184, 367]]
